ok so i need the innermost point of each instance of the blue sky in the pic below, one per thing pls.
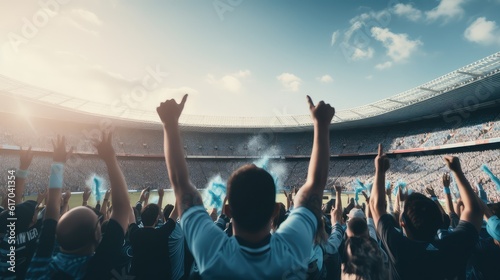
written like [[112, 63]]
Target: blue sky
[[241, 57]]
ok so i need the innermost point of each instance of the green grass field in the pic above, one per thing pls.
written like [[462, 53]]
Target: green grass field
[[169, 198]]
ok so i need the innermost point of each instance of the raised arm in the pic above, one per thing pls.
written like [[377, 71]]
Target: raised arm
[[388, 192], [338, 206], [65, 202], [105, 203], [25, 159], [52, 210], [86, 195], [119, 192], [310, 194], [472, 210], [185, 193], [447, 193], [377, 197], [161, 192]]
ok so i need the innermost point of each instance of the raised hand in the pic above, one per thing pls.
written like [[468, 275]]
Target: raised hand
[[367, 198], [430, 191], [60, 153], [381, 161], [104, 146], [336, 216], [107, 195], [66, 196], [213, 214], [402, 195], [169, 111], [86, 195], [446, 180], [388, 191], [321, 113], [161, 192], [25, 158], [144, 195], [338, 189], [453, 163]]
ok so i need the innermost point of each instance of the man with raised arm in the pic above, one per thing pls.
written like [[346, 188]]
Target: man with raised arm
[[418, 254], [27, 227], [83, 254], [252, 253]]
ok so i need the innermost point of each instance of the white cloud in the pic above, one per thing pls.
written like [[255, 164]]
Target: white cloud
[[360, 53], [229, 82], [325, 79], [399, 46], [408, 11], [369, 77], [335, 36], [483, 32], [355, 42], [88, 16], [290, 81], [447, 10], [384, 65]]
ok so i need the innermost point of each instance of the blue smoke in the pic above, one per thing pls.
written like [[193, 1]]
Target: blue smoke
[[214, 194], [399, 184], [96, 184]]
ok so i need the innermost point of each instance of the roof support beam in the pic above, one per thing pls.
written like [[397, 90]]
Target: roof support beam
[[395, 101], [363, 116], [375, 106], [429, 89], [475, 75]]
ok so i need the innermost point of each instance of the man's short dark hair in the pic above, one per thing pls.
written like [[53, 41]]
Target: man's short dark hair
[[149, 215], [252, 196], [358, 226], [422, 217], [167, 210]]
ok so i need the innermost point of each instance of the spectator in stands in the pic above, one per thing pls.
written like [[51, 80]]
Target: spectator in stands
[[27, 225], [258, 255], [484, 262], [418, 255], [82, 252], [150, 245]]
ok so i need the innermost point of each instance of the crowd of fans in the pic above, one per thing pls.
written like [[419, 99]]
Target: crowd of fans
[[409, 235], [484, 124], [417, 172]]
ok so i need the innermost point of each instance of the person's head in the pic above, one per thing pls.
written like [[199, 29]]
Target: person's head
[[252, 198], [363, 259], [329, 205], [357, 227], [167, 210], [421, 218], [78, 231], [149, 215], [356, 213]]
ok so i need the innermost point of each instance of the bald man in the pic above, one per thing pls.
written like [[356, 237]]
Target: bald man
[[83, 253]]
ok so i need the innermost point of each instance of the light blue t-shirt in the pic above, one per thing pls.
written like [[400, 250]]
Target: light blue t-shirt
[[218, 256]]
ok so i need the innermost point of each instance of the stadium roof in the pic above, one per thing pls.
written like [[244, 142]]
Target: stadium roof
[[476, 84]]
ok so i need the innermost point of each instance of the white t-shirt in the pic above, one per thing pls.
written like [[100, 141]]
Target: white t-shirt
[[218, 256]]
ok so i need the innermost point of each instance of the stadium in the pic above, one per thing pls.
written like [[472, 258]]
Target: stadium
[[250, 140], [456, 113]]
